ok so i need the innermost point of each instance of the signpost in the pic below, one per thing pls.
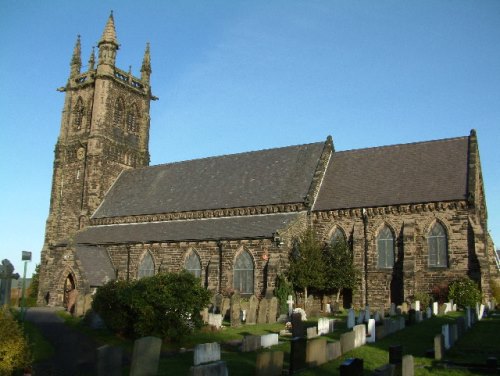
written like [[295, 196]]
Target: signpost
[[26, 256]]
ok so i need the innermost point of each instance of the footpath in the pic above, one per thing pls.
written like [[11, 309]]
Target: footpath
[[74, 352]]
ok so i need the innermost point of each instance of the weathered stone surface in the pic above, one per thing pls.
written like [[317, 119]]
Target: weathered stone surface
[[439, 348], [252, 310], [350, 318], [250, 343], [273, 310], [348, 341], [371, 335], [333, 350], [360, 335], [312, 332], [268, 340], [145, 356], [218, 368], [269, 363], [235, 310], [263, 311], [316, 352], [297, 355], [215, 320], [206, 353], [408, 368]]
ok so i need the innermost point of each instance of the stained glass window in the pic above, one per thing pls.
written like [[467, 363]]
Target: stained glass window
[[243, 273], [438, 246], [385, 248]]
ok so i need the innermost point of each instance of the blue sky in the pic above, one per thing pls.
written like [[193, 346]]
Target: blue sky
[[234, 76]]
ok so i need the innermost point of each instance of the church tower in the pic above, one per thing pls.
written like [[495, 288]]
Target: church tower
[[104, 130]]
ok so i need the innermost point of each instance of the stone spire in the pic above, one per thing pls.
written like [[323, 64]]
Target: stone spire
[[108, 45], [76, 60], [146, 65], [92, 59]]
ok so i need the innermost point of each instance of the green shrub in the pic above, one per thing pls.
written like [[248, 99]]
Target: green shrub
[[464, 292], [14, 348], [424, 298], [166, 305], [440, 293]]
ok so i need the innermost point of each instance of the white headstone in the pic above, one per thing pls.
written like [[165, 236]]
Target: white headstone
[[331, 325], [448, 307], [435, 308], [206, 353], [215, 319], [359, 335], [328, 308], [445, 331], [350, 318], [371, 331], [479, 311], [428, 312], [417, 305], [269, 340], [290, 305], [323, 326]]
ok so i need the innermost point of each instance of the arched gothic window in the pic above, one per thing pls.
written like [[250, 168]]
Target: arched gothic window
[[147, 266], [193, 264], [438, 246], [385, 248], [132, 119], [118, 112], [243, 273], [338, 237], [78, 112]]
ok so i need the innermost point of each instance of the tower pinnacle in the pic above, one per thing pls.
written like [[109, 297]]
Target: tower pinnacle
[[146, 65], [108, 45], [76, 60]]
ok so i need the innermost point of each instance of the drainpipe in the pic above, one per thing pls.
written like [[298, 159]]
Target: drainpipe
[[365, 263]]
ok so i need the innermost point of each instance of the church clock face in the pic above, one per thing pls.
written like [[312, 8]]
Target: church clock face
[[80, 153]]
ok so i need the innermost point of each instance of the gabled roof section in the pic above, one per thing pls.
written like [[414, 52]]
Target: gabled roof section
[[400, 174], [266, 177], [95, 264], [244, 227]]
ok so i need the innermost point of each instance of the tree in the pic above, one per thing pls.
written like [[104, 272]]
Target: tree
[[464, 292], [307, 268], [340, 270], [35, 280]]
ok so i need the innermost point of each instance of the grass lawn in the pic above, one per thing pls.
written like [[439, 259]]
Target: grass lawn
[[475, 346]]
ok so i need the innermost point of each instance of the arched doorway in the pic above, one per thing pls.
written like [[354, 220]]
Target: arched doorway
[[70, 293]]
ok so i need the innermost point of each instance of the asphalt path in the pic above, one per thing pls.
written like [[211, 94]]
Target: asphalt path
[[74, 352]]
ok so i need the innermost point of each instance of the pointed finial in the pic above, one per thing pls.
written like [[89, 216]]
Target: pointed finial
[[76, 60], [146, 65], [109, 33], [92, 59]]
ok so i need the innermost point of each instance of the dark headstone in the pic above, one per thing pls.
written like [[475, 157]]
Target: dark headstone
[[298, 347], [395, 354], [492, 363], [297, 325], [145, 356], [109, 361], [412, 317], [385, 370], [351, 367]]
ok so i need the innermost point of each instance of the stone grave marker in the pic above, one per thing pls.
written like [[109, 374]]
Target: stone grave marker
[[395, 354], [218, 368], [401, 322], [109, 361], [417, 305], [361, 317], [269, 363], [250, 343], [316, 352], [445, 331], [404, 307], [439, 347], [408, 367], [253, 303], [297, 355], [376, 316], [206, 353], [428, 312], [367, 315], [289, 302], [312, 332], [479, 311], [371, 331], [411, 317], [351, 367], [297, 325], [226, 303], [333, 350], [273, 310], [453, 334], [461, 326], [263, 310], [350, 318], [360, 335], [323, 326], [448, 307], [268, 340], [380, 331], [235, 310], [215, 320], [435, 308], [331, 325], [347, 341], [204, 315], [419, 317], [392, 311], [145, 356]]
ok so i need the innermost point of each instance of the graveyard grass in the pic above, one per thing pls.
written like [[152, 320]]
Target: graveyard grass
[[473, 347]]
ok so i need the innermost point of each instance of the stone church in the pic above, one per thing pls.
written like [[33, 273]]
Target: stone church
[[414, 215]]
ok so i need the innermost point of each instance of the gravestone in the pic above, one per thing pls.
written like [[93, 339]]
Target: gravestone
[[109, 361], [361, 317], [376, 316], [350, 318], [297, 325], [395, 354], [392, 311], [215, 320], [380, 331], [428, 312], [404, 307], [419, 316], [269, 363], [435, 308], [347, 341], [145, 356], [206, 353], [408, 367], [250, 343], [461, 326], [453, 334], [6, 277], [298, 348], [253, 303], [268, 340], [204, 315], [218, 368], [331, 325], [316, 352], [411, 317], [312, 332], [371, 331], [385, 370], [328, 308], [273, 310], [479, 311], [360, 335], [445, 331], [323, 325], [235, 310], [351, 367], [438, 347], [226, 303], [289, 302], [333, 351], [417, 305], [448, 307], [263, 309], [401, 321]]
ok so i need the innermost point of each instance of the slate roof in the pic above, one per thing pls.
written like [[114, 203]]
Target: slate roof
[[96, 264], [245, 227], [273, 176], [400, 174]]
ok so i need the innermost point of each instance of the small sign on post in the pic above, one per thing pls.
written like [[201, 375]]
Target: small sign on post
[[25, 256]]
